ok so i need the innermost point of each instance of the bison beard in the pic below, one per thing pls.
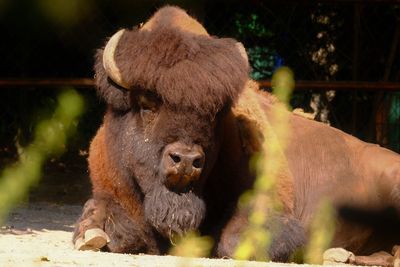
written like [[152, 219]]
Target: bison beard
[[171, 213]]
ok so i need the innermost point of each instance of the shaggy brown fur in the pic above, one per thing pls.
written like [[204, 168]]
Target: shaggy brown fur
[[205, 72], [186, 90]]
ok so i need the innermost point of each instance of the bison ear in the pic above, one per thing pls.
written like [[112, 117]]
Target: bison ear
[[115, 96]]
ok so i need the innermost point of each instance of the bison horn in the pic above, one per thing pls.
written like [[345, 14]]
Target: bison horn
[[109, 63]]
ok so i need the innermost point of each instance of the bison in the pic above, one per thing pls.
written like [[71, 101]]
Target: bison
[[181, 127]]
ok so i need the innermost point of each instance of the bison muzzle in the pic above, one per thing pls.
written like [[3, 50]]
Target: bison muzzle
[[181, 166]]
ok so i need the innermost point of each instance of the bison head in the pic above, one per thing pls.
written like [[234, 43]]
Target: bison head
[[168, 85]]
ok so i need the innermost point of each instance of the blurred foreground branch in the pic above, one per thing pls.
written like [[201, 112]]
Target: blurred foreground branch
[[264, 200], [50, 139]]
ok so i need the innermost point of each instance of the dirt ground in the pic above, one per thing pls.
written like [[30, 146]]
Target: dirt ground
[[39, 232]]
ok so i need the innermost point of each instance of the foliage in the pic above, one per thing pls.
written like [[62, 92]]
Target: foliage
[[24, 108], [263, 200], [321, 233], [50, 139], [251, 25], [394, 122], [263, 58], [192, 245], [66, 13]]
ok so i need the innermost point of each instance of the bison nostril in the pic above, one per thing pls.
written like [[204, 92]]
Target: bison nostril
[[197, 163], [175, 158]]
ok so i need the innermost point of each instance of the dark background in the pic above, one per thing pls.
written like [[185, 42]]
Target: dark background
[[319, 40]]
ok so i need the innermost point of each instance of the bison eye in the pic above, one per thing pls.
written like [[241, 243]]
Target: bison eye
[[148, 103]]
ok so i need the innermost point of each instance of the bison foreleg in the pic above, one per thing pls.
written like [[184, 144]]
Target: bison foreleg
[[288, 236], [106, 224], [89, 234]]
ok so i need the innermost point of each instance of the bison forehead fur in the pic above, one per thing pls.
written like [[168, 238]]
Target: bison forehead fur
[[184, 68], [182, 124]]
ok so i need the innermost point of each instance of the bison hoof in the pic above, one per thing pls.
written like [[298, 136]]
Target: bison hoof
[[338, 255], [93, 239], [396, 254]]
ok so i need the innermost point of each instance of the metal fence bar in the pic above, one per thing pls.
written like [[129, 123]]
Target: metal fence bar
[[364, 2], [342, 85], [47, 83], [300, 85]]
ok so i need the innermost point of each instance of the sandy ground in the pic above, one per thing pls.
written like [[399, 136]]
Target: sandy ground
[[39, 234]]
